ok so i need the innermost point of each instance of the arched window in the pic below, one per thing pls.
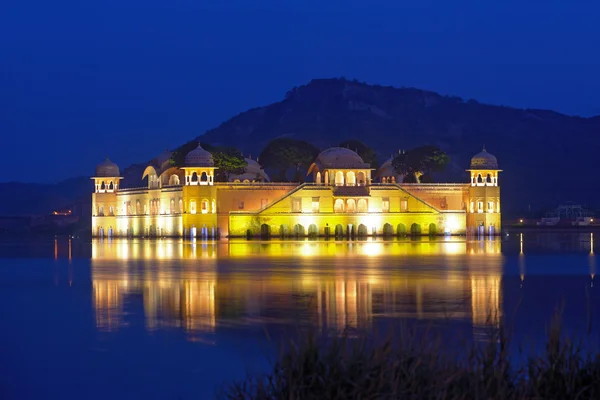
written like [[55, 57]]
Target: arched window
[[180, 205], [350, 178], [479, 179], [338, 205], [172, 206], [194, 179], [362, 180], [138, 207], [362, 206], [111, 187], [489, 178], [339, 178], [350, 205], [111, 210], [101, 211], [204, 177], [102, 186], [318, 178], [204, 206], [192, 206], [174, 180]]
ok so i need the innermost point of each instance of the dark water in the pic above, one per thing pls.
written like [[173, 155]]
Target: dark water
[[172, 319]]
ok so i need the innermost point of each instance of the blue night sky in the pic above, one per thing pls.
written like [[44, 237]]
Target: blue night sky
[[83, 79]]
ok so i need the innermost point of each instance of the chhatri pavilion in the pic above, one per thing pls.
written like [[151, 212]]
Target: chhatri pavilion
[[346, 199]]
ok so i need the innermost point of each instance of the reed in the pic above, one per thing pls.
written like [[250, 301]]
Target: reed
[[410, 365]]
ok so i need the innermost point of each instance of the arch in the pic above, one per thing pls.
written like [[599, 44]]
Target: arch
[[350, 178], [479, 179], [138, 207], [265, 231], [102, 186], [339, 231], [194, 178], [100, 231], [180, 205], [361, 178], [192, 206], [338, 205], [313, 231], [284, 230], [204, 177], [204, 206], [246, 181], [339, 178], [433, 229], [488, 179], [388, 230], [174, 180], [236, 181], [318, 177], [172, 206], [351, 230], [415, 229], [111, 186], [362, 206], [350, 205], [111, 210], [299, 230], [362, 230]]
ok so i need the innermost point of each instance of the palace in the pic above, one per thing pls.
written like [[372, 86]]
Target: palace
[[346, 198]]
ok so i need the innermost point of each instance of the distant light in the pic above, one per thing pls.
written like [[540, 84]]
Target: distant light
[[521, 220], [591, 219]]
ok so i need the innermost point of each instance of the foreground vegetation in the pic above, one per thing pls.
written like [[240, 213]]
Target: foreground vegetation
[[411, 367]]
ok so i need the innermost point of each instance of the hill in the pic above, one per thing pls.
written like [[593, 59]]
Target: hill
[[547, 157]]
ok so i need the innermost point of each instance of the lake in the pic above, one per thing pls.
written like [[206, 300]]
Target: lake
[[173, 319]]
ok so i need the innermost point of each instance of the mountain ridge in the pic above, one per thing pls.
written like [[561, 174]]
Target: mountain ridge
[[547, 157]]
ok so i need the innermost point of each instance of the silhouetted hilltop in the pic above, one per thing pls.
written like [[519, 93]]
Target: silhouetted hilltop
[[547, 157]]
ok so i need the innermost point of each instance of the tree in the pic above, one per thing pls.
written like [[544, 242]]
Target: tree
[[228, 160], [365, 152], [284, 154], [420, 161]]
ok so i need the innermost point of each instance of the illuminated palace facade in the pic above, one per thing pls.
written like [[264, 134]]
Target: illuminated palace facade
[[346, 198]]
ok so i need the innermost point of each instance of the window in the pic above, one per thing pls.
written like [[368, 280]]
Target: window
[[490, 206], [480, 206], [101, 211], [315, 204], [192, 206], [204, 206], [338, 205], [241, 205], [296, 205], [385, 204], [404, 205], [111, 210]]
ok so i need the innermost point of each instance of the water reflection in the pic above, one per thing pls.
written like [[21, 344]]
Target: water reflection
[[202, 286]]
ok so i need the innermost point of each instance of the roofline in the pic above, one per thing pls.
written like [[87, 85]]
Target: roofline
[[484, 169], [197, 167], [104, 177]]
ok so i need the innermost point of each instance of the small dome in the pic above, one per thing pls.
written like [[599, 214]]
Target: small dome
[[339, 157], [107, 169], [253, 171], [484, 160], [387, 171], [199, 158]]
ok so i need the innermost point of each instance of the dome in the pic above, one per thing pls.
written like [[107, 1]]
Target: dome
[[107, 169], [253, 170], [386, 169], [199, 158], [484, 160], [339, 158]]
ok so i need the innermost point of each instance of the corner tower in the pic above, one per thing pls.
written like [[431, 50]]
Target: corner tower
[[104, 199], [483, 210], [199, 195]]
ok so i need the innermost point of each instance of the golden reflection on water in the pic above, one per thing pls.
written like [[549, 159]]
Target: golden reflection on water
[[201, 286]]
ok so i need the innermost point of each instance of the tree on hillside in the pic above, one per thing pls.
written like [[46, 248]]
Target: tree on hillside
[[365, 152], [228, 160], [420, 161], [284, 154]]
